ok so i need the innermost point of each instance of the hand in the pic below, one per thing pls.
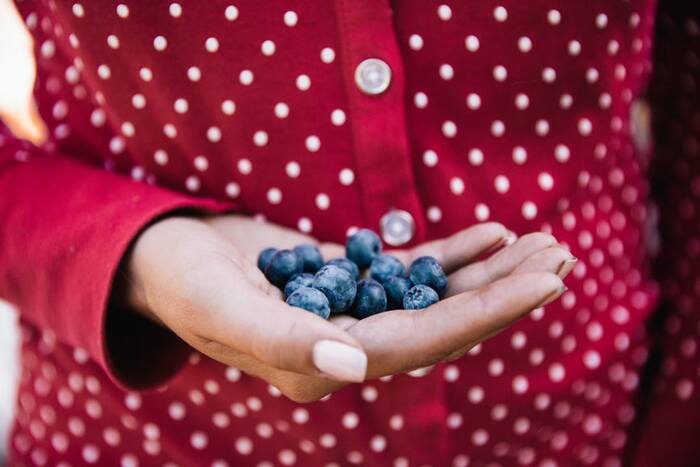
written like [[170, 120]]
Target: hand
[[198, 278]]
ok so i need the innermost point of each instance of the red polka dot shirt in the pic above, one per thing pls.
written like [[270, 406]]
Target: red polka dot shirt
[[326, 116]]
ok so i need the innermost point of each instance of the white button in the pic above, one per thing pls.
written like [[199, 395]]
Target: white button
[[397, 227], [373, 76]]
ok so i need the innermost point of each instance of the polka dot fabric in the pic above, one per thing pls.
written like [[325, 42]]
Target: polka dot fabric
[[527, 113]]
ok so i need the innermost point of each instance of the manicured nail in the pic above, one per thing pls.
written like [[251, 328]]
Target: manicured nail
[[511, 237], [340, 361], [553, 296], [566, 267]]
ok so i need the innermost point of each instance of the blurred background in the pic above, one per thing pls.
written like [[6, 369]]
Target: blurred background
[[16, 81]]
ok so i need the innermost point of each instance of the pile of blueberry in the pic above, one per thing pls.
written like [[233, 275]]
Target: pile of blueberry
[[335, 286]]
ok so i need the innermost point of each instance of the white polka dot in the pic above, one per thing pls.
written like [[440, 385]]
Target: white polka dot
[[473, 101], [161, 157], [562, 153], [293, 169], [337, 117], [500, 13], [244, 445], [192, 183], [481, 212], [554, 17], [446, 71], [214, 134], [303, 82], [449, 129], [420, 100], [434, 214], [476, 156], [557, 372], [545, 181], [323, 202], [457, 185], [444, 12], [519, 155], [304, 225], [268, 48], [246, 77], [122, 10], [260, 138], [498, 128], [415, 42], [601, 20], [500, 73], [138, 101], [520, 384], [524, 44], [245, 166], [78, 10], [549, 75], [199, 440], [194, 73], [313, 143], [104, 72], [346, 177], [211, 44], [113, 41], [201, 163], [228, 107], [290, 18], [585, 126], [160, 43], [522, 101], [454, 420], [471, 42], [181, 106], [175, 10], [574, 47], [233, 189], [145, 74], [480, 437], [542, 127], [327, 55], [281, 110], [350, 420], [274, 195], [231, 13], [502, 184]]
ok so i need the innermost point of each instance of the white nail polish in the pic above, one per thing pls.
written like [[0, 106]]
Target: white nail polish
[[511, 237], [340, 361]]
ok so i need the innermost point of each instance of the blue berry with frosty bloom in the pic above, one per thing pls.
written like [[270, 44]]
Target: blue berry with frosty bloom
[[370, 299], [313, 261], [304, 279], [427, 271], [265, 256], [283, 266], [338, 286], [362, 247], [395, 288], [385, 266], [419, 296], [346, 264], [310, 300]]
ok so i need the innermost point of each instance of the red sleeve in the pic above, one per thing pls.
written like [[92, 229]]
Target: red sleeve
[[65, 227], [670, 424]]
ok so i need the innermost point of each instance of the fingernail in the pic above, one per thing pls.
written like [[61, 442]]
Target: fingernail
[[566, 267], [340, 361], [511, 237], [553, 296]]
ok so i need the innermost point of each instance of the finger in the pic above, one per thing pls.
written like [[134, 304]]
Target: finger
[[499, 265], [555, 259], [231, 311], [459, 249], [401, 340]]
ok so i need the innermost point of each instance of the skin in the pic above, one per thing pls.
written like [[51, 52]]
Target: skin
[[198, 277]]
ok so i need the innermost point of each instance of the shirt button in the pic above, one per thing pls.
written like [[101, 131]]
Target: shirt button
[[373, 76], [397, 227]]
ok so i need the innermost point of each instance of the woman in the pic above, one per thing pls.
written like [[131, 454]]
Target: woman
[[176, 127]]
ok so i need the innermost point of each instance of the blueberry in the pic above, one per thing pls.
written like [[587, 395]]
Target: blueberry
[[310, 300], [346, 264], [362, 247], [396, 287], [265, 256], [370, 299], [283, 265], [300, 280], [427, 271], [338, 286], [385, 266], [419, 296], [311, 256]]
